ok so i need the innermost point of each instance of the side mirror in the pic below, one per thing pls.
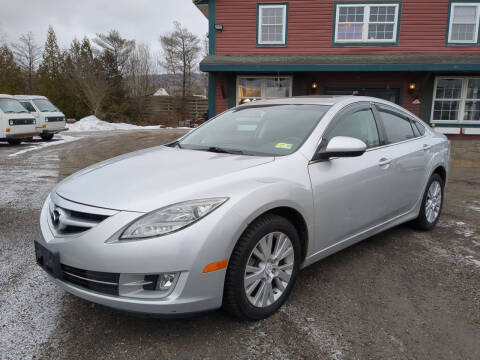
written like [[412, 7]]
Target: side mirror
[[341, 146]]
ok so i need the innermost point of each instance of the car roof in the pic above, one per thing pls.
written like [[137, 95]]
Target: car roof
[[6, 96], [29, 97], [327, 100], [318, 100]]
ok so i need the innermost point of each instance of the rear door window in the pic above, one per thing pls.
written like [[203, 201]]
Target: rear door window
[[397, 127]]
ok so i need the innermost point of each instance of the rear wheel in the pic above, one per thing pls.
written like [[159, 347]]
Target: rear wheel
[[14, 141], [262, 269], [47, 137], [431, 204]]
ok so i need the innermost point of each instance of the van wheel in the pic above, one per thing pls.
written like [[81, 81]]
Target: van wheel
[[262, 269], [14, 141], [431, 204], [47, 137]]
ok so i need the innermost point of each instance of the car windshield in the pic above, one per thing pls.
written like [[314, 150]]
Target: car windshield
[[45, 105], [257, 130], [11, 106]]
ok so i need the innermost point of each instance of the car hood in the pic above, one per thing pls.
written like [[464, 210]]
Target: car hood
[[148, 179], [52, 114]]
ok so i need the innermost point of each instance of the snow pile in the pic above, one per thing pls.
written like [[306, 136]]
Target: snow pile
[[92, 123], [161, 92]]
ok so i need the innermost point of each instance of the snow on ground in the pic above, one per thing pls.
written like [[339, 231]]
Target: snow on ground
[[63, 139], [92, 123]]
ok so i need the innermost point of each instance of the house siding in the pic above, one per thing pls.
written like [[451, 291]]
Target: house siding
[[423, 29]]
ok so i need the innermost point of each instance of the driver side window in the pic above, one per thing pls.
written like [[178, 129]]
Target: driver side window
[[358, 124]]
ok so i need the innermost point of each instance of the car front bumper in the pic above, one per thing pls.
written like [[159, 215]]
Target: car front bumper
[[185, 252], [52, 131], [21, 135]]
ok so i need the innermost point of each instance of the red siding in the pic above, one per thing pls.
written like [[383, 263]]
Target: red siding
[[423, 26]]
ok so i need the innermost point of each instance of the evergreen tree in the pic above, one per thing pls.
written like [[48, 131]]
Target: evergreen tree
[[10, 73], [114, 52], [52, 81]]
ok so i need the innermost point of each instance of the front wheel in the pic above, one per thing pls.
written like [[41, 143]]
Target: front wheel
[[431, 204], [46, 137], [262, 269], [14, 141]]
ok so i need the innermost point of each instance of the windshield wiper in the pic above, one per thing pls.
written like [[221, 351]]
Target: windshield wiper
[[217, 149]]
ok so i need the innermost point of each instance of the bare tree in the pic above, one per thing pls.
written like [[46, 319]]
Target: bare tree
[[181, 50], [27, 55], [140, 82]]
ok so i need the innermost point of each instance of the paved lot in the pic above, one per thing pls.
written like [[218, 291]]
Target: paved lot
[[402, 294]]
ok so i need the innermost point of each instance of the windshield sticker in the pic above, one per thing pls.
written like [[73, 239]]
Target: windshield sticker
[[284, 146]]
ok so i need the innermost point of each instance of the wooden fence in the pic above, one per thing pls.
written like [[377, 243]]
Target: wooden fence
[[172, 111]]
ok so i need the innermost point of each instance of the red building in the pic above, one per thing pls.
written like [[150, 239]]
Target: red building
[[421, 54]]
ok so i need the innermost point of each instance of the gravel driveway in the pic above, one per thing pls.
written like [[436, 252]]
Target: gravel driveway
[[401, 294]]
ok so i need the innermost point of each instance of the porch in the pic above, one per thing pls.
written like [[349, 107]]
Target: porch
[[442, 90]]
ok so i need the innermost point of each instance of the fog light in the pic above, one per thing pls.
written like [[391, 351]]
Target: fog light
[[165, 281], [161, 282]]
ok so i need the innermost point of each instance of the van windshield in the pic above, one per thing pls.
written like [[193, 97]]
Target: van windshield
[[45, 105], [268, 130], [12, 106]]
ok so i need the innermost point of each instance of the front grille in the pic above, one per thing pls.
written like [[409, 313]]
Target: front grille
[[70, 222], [21, 121], [102, 282], [55, 118]]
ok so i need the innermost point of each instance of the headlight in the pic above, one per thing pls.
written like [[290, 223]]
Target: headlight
[[171, 218], [10, 122], [46, 119]]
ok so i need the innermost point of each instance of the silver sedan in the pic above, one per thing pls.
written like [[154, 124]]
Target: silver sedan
[[228, 214]]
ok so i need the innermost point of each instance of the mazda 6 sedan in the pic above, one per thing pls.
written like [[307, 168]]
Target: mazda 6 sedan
[[228, 214]]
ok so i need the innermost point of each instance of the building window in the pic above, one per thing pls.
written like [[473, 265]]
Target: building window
[[464, 19], [252, 88], [456, 99], [366, 23], [272, 24]]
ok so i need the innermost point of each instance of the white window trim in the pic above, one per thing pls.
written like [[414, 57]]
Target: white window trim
[[259, 23], [366, 21], [462, 100], [237, 97], [477, 18]]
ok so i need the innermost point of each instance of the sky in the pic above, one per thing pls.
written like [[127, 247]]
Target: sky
[[142, 20]]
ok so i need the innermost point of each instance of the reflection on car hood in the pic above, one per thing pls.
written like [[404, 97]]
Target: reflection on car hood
[[141, 181]]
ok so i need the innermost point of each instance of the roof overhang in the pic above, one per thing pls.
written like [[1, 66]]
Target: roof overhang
[[345, 63], [202, 5]]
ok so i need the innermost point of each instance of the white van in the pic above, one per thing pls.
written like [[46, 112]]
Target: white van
[[50, 120], [16, 123]]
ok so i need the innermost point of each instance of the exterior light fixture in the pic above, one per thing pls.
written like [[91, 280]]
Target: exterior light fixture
[[219, 27], [412, 86], [314, 85]]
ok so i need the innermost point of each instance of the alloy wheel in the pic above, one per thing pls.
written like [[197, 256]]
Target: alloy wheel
[[269, 269], [434, 201]]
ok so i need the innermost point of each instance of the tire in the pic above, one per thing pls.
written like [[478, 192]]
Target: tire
[[14, 141], [46, 137], [267, 230], [425, 220]]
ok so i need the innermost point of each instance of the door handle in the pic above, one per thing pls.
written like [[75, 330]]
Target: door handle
[[384, 162], [426, 147]]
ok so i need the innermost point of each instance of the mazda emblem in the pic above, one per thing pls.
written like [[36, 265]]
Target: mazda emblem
[[55, 217]]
